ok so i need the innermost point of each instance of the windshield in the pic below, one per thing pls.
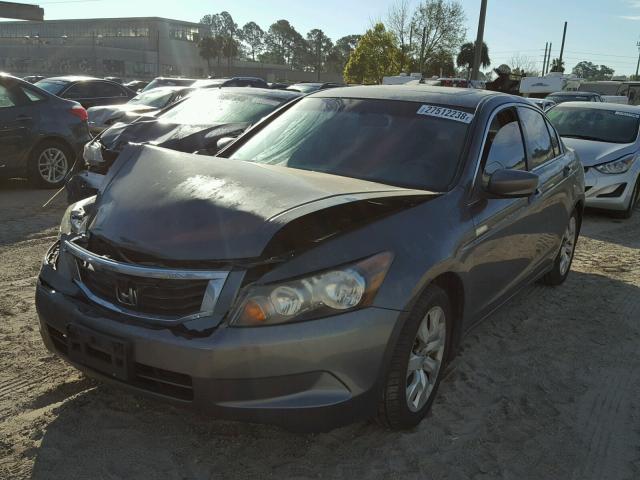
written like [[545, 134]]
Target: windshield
[[378, 140], [157, 98], [595, 124], [304, 88], [52, 86], [569, 98], [209, 107], [168, 82]]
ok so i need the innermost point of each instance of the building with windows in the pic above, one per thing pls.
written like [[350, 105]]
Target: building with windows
[[129, 48]]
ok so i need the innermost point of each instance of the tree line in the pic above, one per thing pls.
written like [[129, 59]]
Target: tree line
[[428, 38], [280, 44]]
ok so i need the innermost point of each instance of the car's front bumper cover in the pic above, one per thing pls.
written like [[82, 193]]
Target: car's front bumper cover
[[310, 375], [609, 192]]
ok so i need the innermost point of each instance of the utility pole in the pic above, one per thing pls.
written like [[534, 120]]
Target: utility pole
[[564, 35], [638, 66], [549, 58], [544, 62], [477, 57]]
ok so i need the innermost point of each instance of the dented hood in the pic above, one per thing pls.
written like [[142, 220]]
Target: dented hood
[[183, 207], [183, 138]]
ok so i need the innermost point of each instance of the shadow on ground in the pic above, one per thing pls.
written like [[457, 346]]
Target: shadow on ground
[[519, 403]]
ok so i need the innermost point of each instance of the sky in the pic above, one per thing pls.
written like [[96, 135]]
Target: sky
[[600, 31]]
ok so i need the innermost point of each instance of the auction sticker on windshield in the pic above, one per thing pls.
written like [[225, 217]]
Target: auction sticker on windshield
[[443, 112]]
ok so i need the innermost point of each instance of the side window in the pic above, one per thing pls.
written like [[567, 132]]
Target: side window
[[555, 143], [103, 89], [538, 140], [80, 90], [503, 148], [5, 98], [32, 95]]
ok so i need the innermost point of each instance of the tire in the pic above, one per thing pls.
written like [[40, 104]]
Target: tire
[[49, 164], [394, 410], [564, 259], [633, 203]]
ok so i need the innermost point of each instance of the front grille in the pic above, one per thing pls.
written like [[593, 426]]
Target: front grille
[[166, 297]]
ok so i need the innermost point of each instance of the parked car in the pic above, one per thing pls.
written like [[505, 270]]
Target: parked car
[[88, 91], [325, 266], [41, 135], [192, 125], [136, 85], [145, 103], [561, 97], [114, 79], [34, 78], [169, 82], [542, 103], [605, 136], [232, 82], [310, 87], [278, 85]]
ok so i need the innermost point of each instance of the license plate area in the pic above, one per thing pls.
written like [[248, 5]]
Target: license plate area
[[104, 353]]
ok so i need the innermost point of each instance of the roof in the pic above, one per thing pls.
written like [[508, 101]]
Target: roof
[[571, 94], [618, 107], [106, 20], [74, 78], [265, 92], [459, 97]]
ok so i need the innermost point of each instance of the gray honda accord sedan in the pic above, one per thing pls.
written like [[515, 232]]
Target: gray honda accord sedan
[[325, 266]]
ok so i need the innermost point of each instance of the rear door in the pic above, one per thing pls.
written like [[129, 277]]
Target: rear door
[[551, 205], [110, 93], [500, 257], [18, 118]]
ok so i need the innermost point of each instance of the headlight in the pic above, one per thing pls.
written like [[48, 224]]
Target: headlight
[[321, 294], [621, 165], [74, 220], [92, 153]]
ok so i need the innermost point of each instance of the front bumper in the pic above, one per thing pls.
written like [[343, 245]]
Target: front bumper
[[313, 375], [609, 192]]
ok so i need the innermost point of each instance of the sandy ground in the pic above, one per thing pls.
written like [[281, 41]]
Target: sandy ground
[[548, 388]]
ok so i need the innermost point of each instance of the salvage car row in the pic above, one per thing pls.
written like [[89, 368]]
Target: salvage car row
[[324, 265]]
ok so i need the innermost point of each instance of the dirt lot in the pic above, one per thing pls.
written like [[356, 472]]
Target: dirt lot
[[546, 389]]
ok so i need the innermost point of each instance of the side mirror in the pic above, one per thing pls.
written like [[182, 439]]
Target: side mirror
[[513, 183], [223, 142]]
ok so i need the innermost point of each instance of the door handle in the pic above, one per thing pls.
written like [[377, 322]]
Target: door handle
[[23, 118]]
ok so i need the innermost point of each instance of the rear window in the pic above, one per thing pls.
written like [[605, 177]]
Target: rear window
[[54, 87], [393, 142], [157, 98], [211, 107], [595, 124]]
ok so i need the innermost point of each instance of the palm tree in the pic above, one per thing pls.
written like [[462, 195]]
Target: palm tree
[[557, 65], [467, 52]]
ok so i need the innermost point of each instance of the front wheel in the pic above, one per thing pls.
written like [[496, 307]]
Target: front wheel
[[49, 165], [418, 361], [633, 202], [564, 259]]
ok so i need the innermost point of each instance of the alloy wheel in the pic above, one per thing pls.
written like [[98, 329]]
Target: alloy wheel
[[52, 165], [425, 359], [568, 244]]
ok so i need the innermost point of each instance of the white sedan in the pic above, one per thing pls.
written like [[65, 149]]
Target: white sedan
[[605, 136]]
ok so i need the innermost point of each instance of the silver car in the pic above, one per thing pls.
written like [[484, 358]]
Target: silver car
[[605, 136]]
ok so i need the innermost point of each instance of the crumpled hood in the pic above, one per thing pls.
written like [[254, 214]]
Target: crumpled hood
[[594, 153], [99, 115], [183, 207], [182, 138]]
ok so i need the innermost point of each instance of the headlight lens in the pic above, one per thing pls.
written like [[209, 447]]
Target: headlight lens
[[325, 293], [92, 153], [621, 165], [74, 220]]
